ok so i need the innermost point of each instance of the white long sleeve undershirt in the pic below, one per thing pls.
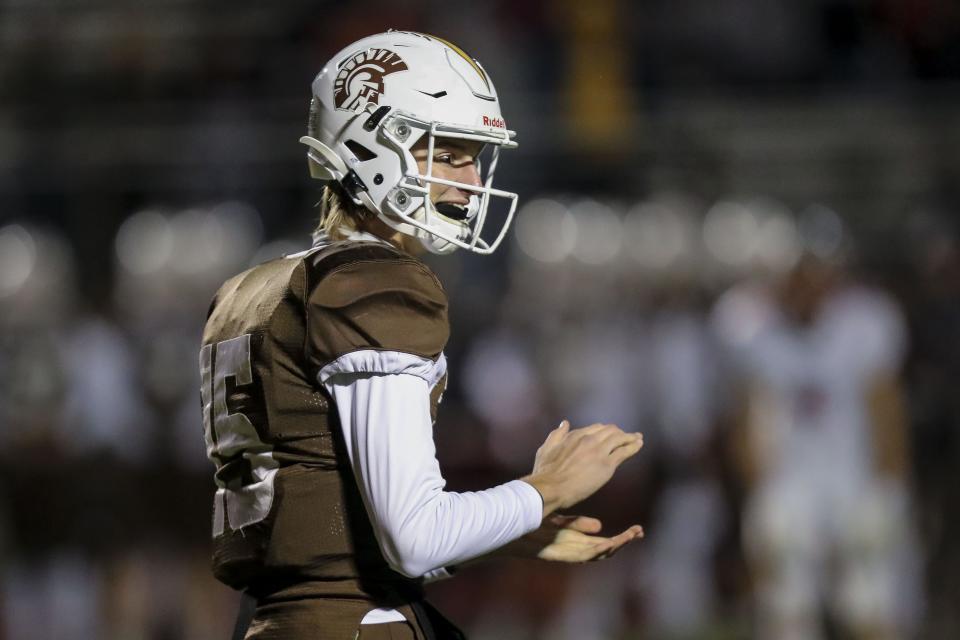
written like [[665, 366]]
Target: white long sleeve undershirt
[[383, 400]]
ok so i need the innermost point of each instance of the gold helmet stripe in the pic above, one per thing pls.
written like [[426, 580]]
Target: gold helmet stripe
[[463, 54]]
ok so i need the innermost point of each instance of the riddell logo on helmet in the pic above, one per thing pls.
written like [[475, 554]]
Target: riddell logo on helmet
[[360, 82], [494, 122]]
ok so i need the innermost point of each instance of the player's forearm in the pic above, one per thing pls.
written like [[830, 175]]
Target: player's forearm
[[453, 528], [386, 423]]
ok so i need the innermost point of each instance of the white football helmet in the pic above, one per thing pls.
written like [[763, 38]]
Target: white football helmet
[[378, 97]]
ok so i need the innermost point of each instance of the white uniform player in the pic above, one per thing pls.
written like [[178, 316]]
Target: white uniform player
[[826, 520]]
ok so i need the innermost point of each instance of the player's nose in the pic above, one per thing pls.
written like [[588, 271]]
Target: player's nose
[[470, 175]]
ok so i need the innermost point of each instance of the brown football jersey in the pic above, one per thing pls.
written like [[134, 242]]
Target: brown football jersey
[[288, 520]]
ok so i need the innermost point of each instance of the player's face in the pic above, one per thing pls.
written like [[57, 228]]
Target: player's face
[[454, 160]]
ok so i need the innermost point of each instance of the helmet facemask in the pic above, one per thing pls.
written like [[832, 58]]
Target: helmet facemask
[[409, 208]]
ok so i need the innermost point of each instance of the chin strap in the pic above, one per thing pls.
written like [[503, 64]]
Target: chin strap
[[435, 245], [456, 228]]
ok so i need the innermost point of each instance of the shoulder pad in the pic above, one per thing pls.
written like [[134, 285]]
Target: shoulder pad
[[369, 296]]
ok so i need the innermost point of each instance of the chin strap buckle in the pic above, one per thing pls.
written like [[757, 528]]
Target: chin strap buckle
[[353, 185]]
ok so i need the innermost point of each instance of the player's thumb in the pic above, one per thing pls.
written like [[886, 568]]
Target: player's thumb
[[562, 429], [585, 524]]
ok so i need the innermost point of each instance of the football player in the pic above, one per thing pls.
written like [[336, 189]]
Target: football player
[[322, 371], [823, 451]]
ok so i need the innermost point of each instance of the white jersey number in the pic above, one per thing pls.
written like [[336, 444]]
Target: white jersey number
[[245, 465]]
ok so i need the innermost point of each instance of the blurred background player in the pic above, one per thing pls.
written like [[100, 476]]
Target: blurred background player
[[821, 447]]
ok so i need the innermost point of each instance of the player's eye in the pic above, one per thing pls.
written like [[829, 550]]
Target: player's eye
[[445, 158]]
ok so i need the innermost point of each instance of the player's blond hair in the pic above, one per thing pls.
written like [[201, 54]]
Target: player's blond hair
[[338, 213]]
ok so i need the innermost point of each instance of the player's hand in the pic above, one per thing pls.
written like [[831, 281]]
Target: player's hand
[[571, 539], [573, 463]]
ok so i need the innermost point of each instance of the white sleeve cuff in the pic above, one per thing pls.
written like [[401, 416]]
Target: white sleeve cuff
[[531, 502]]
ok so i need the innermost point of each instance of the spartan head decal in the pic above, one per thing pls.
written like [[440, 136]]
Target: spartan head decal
[[360, 81]]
